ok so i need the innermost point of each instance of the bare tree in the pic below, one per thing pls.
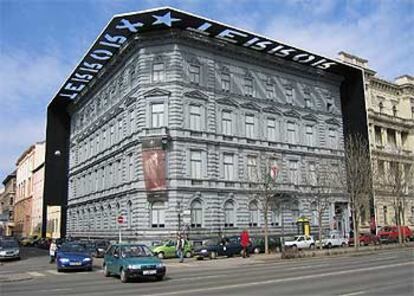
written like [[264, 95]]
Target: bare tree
[[397, 182], [359, 179], [323, 181]]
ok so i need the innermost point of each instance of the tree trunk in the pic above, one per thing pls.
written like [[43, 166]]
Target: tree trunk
[[355, 228], [266, 232], [320, 231], [398, 220]]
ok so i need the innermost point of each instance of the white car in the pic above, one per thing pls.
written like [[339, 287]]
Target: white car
[[334, 240], [301, 242]]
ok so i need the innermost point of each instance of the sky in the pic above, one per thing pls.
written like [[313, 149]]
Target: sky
[[41, 41]]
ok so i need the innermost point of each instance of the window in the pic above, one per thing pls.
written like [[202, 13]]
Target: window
[[103, 145], [404, 140], [314, 213], [271, 129], [158, 215], [111, 134], [385, 214], [412, 112], [129, 214], [249, 125], [196, 214], [381, 107], [254, 214], [312, 174], [102, 178], [290, 94], [111, 175], [131, 121], [98, 147], [307, 98], [195, 160], [158, 72], [228, 166], [269, 91], [309, 136], [195, 117], [248, 86], [226, 122], [381, 168], [332, 138], [291, 132], [391, 138], [157, 115], [120, 130], [293, 172], [252, 168], [194, 72], [394, 110], [225, 82], [130, 168], [229, 214], [274, 216], [378, 136], [295, 215]]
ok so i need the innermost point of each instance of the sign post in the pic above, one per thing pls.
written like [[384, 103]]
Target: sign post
[[120, 221]]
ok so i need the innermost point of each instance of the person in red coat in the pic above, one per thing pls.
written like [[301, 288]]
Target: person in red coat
[[245, 242]]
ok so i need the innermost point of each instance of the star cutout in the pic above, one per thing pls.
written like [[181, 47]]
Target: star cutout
[[165, 19]]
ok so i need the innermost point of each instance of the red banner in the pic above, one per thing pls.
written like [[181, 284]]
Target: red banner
[[154, 169]]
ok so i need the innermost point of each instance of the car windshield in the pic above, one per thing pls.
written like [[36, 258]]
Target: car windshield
[[8, 244], [136, 251], [210, 242], [73, 248]]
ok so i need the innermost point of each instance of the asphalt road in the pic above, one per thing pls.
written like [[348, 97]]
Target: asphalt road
[[388, 272]]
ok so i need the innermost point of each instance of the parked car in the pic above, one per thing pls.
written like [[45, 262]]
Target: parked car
[[258, 244], [132, 261], [73, 255], [213, 248], [365, 239], [44, 243], [301, 242], [334, 239], [90, 246], [389, 234], [101, 247], [168, 249], [9, 249], [29, 241]]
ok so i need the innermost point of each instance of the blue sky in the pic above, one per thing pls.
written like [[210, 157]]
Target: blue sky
[[42, 40]]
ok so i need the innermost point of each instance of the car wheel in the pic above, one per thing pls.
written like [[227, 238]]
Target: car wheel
[[294, 247], [106, 271], [213, 255], [188, 254], [160, 255], [256, 250], [343, 245], [159, 277], [362, 243], [59, 270], [124, 276], [329, 246], [312, 246]]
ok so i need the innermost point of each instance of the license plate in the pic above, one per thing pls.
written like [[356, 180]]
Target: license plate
[[74, 263], [149, 272]]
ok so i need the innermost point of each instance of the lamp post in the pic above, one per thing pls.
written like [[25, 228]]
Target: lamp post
[[178, 208]]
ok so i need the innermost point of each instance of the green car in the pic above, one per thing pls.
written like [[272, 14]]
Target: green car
[[132, 261], [167, 250]]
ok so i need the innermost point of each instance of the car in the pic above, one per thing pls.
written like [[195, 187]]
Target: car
[[168, 249], [212, 248], [334, 239], [29, 241], [389, 234], [258, 244], [44, 243], [365, 239], [101, 247], [301, 242], [73, 255], [132, 261], [90, 246], [9, 249]]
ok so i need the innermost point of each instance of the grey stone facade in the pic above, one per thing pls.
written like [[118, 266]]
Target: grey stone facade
[[220, 112]]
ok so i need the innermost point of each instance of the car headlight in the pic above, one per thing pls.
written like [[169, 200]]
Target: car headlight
[[64, 260], [2, 253], [87, 259], [160, 265], [134, 266], [203, 251]]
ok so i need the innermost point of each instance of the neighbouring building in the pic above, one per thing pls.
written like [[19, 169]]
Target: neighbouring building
[[38, 174], [175, 129], [7, 198], [390, 109], [26, 201]]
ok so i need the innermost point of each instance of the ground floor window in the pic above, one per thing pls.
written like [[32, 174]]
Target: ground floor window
[[158, 215]]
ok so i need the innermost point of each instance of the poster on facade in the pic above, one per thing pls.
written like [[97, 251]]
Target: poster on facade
[[154, 169]]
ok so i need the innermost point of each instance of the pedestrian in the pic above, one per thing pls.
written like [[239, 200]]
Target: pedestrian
[[179, 246], [245, 242], [52, 251]]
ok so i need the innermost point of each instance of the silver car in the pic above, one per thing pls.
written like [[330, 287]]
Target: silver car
[[9, 249]]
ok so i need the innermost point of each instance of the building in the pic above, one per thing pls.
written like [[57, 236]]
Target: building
[[7, 198], [26, 201], [38, 174], [390, 109], [175, 130]]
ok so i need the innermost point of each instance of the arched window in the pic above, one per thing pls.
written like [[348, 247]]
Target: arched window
[[158, 215], [314, 212], [229, 214], [129, 214], [196, 214], [254, 214]]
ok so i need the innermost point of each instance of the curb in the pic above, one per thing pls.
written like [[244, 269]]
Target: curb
[[15, 278]]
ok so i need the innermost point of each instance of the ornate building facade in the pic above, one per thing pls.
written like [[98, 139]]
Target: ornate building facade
[[7, 199], [390, 110]]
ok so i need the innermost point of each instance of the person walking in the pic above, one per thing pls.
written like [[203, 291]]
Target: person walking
[[179, 246], [245, 242], [52, 251]]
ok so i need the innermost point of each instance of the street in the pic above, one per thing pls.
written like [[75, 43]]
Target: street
[[384, 272]]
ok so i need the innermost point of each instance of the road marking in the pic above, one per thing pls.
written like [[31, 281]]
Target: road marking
[[289, 279], [35, 273], [353, 293]]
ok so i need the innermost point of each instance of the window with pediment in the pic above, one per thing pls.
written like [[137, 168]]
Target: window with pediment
[[158, 70]]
